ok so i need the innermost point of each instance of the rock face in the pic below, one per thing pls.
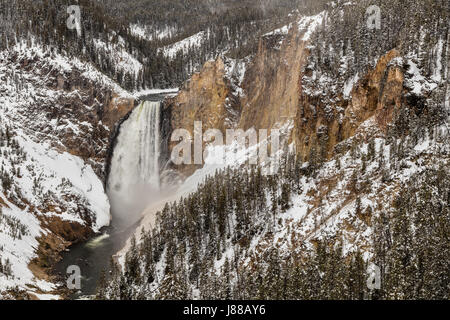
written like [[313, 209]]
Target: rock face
[[83, 113], [98, 111], [272, 82], [206, 97], [320, 124], [274, 91], [91, 113], [203, 98]]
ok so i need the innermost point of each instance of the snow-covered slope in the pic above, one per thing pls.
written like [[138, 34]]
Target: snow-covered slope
[[151, 33], [193, 42], [45, 183]]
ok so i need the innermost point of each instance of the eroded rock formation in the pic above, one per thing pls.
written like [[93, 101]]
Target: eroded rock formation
[[274, 92]]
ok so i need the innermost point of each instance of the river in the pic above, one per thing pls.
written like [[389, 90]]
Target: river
[[93, 257]]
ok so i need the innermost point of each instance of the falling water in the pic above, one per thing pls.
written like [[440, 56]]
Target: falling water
[[134, 176], [133, 184]]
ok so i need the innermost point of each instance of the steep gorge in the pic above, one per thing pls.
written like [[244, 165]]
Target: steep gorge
[[283, 82], [368, 114]]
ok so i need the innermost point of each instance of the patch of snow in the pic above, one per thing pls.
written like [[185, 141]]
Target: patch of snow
[[438, 53], [122, 59], [309, 24], [235, 71], [147, 92], [416, 81], [348, 86], [184, 45], [150, 33], [280, 31]]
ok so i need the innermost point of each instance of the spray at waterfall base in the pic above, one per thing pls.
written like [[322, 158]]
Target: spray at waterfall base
[[134, 181], [249, 145]]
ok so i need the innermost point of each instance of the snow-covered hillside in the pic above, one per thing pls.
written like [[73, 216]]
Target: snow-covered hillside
[[120, 57], [193, 42], [43, 182], [152, 33]]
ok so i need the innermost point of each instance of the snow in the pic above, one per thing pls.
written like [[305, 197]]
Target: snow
[[438, 51], [43, 296], [415, 78], [184, 45], [52, 182], [139, 31], [417, 82], [150, 33], [309, 24], [235, 71], [19, 252], [122, 59], [56, 166], [280, 31], [147, 92], [62, 63]]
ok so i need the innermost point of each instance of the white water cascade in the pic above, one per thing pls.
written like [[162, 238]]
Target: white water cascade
[[134, 173]]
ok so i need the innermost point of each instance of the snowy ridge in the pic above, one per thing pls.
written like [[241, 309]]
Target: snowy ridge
[[62, 63], [309, 24], [149, 33], [184, 45]]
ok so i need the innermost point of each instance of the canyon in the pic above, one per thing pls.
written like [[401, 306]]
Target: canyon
[[92, 173]]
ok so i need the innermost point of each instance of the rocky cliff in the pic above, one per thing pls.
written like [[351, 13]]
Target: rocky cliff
[[391, 98], [279, 86], [58, 120]]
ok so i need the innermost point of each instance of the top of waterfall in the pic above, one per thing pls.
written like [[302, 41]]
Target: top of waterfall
[[155, 94]]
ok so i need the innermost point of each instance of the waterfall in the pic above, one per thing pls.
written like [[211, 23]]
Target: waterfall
[[134, 175]]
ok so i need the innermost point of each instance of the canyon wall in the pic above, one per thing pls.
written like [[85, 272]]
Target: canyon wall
[[61, 116], [206, 97], [275, 90]]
